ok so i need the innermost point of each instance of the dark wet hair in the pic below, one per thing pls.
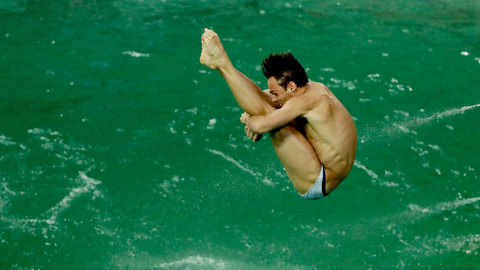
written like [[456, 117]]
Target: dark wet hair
[[284, 68]]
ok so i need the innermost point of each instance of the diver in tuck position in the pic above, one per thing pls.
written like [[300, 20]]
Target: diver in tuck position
[[312, 133]]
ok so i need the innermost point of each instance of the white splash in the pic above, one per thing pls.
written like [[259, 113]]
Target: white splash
[[445, 206], [373, 176], [397, 129], [136, 54], [429, 246], [6, 141], [65, 203], [236, 163], [447, 113], [193, 261], [433, 246], [416, 212], [371, 173], [267, 181]]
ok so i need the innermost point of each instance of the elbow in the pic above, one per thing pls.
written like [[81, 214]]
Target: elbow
[[256, 127]]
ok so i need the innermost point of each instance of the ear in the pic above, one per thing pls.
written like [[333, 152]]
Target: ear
[[292, 86]]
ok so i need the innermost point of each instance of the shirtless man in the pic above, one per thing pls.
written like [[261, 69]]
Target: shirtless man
[[312, 133]]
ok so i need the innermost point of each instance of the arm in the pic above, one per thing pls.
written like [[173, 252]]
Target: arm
[[295, 107], [254, 136]]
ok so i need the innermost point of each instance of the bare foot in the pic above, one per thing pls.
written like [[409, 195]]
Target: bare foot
[[213, 54]]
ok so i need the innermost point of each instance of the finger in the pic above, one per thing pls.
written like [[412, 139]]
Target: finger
[[248, 132], [243, 119]]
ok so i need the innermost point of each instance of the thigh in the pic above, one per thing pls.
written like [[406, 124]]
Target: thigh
[[297, 156]]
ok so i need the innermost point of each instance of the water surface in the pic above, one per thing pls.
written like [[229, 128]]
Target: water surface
[[118, 150]]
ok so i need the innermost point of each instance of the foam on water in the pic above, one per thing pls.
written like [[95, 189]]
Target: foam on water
[[438, 116], [374, 178], [398, 129], [199, 262], [235, 162], [6, 140], [61, 152], [193, 261], [433, 245], [244, 167], [136, 54], [177, 141], [47, 224], [90, 185], [417, 212]]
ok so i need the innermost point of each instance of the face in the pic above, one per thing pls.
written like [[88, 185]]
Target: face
[[277, 92]]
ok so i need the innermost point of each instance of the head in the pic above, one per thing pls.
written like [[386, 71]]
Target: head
[[284, 73]]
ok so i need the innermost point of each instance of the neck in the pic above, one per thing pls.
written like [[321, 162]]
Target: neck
[[305, 88]]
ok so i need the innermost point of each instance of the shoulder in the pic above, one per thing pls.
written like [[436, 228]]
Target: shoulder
[[318, 95], [319, 99]]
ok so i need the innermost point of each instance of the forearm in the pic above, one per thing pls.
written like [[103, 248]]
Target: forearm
[[264, 123], [258, 124], [252, 135]]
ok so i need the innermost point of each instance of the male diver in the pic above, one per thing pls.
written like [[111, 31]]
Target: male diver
[[313, 134]]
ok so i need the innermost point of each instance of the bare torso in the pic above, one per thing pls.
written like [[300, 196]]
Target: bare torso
[[331, 131]]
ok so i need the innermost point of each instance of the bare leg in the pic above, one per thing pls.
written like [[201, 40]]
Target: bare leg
[[292, 148], [248, 95], [297, 156]]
